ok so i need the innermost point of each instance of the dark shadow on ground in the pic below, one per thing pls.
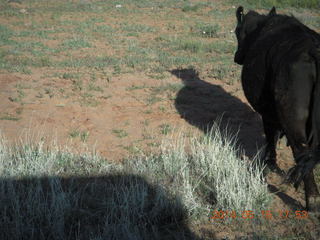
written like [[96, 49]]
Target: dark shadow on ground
[[293, 204], [105, 207], [201, 103]]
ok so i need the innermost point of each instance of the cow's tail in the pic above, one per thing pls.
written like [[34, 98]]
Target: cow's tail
[[307, 162]]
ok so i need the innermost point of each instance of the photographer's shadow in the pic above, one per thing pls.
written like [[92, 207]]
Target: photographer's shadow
[[115, 206]]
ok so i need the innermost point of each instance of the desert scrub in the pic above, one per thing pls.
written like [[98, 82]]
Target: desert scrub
[[146, 196], [207, 172], [62, 192]]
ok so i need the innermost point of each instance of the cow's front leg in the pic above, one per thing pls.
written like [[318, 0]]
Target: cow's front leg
[[272, 134], [312, 194]]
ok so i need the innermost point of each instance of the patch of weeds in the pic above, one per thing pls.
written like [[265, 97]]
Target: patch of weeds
[[153, 144], [220, 47], [70, 75], [22, 86], [146, 122], [224, 69], [135, 87], [163, 38], [136, 28], [148, 111], [206, 30], [162, 109], [74, 133], [93, 77], [106, 97], [170, 26], [73, 7], [158, 69], [77, 85], [132, 34], [193, 46], [133, 149], [180, 61], [146, 136], [88, 99], [62, 90], [49, 91], [42, 62], [37, 49], [19, 110], [157, 72], [191, 8], [5, 35], [134, 49], [120, 133], [42, 34], [19, 97], [219, 72], [104, 29], [116, 69], [135, 61], [165, 129], [39, 95], [75, 43], [9, 11], [167, 60], [171, 87], [16, 64], [93, 87], [9, 117], [90, 62], [158, 76], [84, 136], [153, 99], [137, 56], [85, 27]]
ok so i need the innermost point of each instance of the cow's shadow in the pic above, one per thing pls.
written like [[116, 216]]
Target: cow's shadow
[[201, 104]]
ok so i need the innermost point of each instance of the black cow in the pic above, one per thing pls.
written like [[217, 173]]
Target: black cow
[[281, 80]]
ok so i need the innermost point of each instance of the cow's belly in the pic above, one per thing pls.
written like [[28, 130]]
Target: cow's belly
[[256, 88]]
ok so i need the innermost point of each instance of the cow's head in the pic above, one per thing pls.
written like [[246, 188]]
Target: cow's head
[[247, 25]]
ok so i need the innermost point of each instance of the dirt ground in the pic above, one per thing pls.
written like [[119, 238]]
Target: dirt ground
[[201, 104], [124, 123]]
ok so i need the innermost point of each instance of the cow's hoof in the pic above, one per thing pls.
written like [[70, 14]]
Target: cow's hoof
[[273, 167], [313, 205]]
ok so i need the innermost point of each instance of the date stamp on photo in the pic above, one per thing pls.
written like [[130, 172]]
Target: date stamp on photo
[[266, 214]]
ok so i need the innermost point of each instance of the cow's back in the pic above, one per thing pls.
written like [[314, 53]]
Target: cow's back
[[281, 43]]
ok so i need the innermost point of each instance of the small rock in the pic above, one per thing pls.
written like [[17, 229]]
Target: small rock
[[24, 11]]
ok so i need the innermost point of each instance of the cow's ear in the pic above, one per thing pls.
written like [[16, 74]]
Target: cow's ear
[[239, 14], [273, 12]]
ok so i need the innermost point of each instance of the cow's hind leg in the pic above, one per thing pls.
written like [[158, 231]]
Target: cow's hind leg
[[294, 112], [301, 151]]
